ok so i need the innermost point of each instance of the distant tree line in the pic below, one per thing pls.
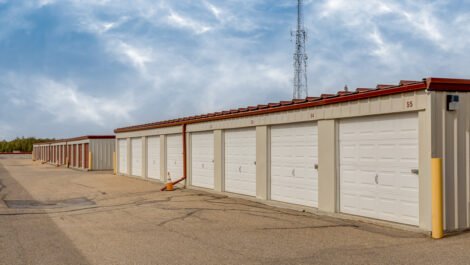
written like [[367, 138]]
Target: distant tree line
[[20, 144]]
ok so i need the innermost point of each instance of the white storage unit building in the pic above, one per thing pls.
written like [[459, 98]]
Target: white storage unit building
[[365, 153]]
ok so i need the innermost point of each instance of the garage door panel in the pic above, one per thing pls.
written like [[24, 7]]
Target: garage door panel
[[136, 156], [386, 152], [294, 153], [202, 164], [153, 157], [240, 157], [174, 145]]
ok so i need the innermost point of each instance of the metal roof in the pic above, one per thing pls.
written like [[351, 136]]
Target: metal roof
[[432, 83]]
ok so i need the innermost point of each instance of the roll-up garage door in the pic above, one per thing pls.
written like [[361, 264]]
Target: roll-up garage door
[[153, 157], [123, 156], [240, 161], [294, 154], [378, 167], [80, 155], [202, 159], [174, 162], [74, 162], [136, 156]]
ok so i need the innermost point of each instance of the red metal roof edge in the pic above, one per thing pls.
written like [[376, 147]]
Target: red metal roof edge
[[447, 84], [283, 106], [79, 138], [432, 83]]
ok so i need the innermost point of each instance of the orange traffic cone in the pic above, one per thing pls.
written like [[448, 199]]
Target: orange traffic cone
[[169, 184]]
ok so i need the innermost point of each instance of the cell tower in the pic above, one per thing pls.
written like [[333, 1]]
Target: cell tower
[[300, 56]]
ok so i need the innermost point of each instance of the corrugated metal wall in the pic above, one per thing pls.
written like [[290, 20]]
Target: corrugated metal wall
[[451, 141], [102, 152]]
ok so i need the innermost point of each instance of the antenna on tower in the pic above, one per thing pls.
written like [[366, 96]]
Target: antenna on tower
[[300, 56]]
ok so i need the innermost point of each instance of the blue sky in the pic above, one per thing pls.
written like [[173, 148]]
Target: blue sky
[[75, 67]]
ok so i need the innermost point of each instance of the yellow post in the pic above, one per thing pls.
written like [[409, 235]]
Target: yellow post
[[90, 159], [437, 199], [114, 163]]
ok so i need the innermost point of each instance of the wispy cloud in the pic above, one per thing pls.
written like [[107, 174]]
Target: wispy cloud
[[181, 21], [64, 102], [67, 103], [137, 57]]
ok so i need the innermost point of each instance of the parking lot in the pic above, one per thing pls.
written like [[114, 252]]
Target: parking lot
[[51, 215]]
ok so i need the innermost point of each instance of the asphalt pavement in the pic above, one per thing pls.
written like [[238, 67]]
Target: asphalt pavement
[[51, 215]]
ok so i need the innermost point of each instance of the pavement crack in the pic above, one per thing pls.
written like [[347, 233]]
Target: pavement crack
[[309, 227], [182, 218]]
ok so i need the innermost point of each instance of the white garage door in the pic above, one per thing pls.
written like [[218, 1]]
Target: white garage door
[[174, 162], [153, 157], [122, 156], [294, 154], [377, 157], [202, 155], [136, 154], [240, 161]]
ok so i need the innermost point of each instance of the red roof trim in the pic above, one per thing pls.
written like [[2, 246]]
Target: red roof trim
[[447, 84], [436, 84], [363, 89], [381, 86], [288, 105]]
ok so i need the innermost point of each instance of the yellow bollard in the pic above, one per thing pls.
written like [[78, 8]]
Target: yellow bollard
[[90, 160], [437, 199]]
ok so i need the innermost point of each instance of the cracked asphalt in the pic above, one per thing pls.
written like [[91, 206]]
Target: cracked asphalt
[[52, 215]]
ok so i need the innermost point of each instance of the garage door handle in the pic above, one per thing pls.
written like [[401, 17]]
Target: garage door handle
[[316, 166], [240, 169], [415, 171], [293, 172], [376, 179]]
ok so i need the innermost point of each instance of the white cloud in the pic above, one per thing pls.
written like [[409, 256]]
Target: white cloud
[[42, 3], [217, 12], [64, 101], [178, 20], [99, 27], [68, 104], [137, 57]]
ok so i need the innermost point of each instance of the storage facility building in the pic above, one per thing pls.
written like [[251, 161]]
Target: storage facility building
[[90, 152], [365, 152]]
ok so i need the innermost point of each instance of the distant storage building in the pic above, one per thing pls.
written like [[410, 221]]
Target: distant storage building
[[87, 152], [366, 153]]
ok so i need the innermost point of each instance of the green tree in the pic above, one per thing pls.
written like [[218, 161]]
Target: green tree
[[20, 144]]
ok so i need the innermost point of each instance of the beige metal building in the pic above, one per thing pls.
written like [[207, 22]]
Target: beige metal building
[[90, 152], [365, 153]]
